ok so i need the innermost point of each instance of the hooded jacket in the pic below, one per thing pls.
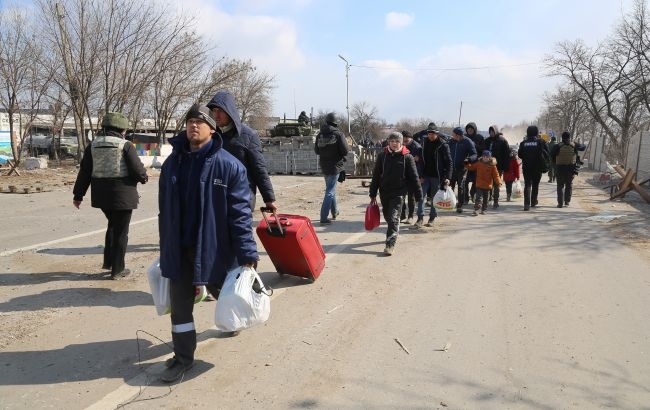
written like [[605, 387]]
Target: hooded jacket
[[499, 147], [332, 149], [395, 174], [460, 150], [225, 238], [477, 139], [244, 144], [486, 172]]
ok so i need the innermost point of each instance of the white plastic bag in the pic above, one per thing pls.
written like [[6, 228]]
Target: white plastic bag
[[445, 200], [159, 288], [239, 306], [517, 190]]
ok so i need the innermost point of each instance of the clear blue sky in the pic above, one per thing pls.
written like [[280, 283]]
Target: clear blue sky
[[403, 43]]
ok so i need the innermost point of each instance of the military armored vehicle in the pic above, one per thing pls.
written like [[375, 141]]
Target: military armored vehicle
[[290, 128]]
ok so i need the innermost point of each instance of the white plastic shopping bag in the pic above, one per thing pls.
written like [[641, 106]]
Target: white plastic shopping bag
[[445, 199], [517, 190], [159, 288], [242, 305]]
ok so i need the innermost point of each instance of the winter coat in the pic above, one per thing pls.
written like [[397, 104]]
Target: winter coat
[[461, 150], [244, 144], [395, 174], [499, 148], [441, 158], [513, 172], [225, 235], [415, 149], [477, 139], [486, 172], [534, 155], [332, 149], [111, 193]]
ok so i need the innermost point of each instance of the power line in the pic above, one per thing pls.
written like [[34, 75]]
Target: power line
[[488, 67]]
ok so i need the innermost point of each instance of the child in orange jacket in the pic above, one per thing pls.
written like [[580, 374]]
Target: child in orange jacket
[[486, 175]]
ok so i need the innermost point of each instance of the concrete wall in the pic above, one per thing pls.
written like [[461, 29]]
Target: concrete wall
[[638, 155]]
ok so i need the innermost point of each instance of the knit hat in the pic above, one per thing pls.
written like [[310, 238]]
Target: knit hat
[[532, 131], [203, 113], [566, 136], [487, 153], [407, 134], [432, 128], [396, 136], [457, 131]]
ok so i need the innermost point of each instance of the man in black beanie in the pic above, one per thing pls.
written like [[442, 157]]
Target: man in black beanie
[[534, 155]]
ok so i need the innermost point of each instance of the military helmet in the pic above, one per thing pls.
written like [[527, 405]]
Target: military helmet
[[330, 118], [115, 120]]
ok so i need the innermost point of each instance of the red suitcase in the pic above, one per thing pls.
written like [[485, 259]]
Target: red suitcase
[[292, 244]]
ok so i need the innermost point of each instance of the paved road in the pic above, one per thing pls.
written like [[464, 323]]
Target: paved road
[[512, 309]]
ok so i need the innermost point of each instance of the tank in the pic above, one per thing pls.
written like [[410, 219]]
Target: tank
[[290, 128]]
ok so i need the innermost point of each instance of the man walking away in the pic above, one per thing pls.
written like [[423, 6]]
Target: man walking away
[[564, 155], [500, 150], [112, 169], [534, 155], [460, 148], [332, 149]]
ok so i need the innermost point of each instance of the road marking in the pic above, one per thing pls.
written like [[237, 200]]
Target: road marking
[[135, 386], [68, 238]]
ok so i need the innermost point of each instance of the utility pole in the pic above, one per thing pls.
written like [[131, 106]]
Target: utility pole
[[74, 88], [347, 92], [460, 112]]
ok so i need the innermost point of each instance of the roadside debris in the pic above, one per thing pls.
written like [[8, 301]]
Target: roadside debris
[[402, 346]]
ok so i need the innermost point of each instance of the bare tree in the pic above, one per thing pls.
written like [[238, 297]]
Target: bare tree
[[25, 80], [362, 117], [603, 77], [252, 91]]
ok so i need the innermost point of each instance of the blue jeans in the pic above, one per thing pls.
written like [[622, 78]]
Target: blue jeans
[[329, 201], [429, 183]]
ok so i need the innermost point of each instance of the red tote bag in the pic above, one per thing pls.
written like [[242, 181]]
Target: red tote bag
[[372, 216]]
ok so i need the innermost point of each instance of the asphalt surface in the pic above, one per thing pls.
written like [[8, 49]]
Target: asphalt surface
[[543, 309]]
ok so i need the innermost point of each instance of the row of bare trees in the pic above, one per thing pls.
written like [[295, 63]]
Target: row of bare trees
[[605, 92], [83, 58]]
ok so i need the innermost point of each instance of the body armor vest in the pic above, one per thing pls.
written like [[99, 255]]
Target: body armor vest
[[108, 157], [566, 155]]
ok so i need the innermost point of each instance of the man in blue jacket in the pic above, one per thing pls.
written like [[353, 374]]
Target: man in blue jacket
[[243, 142], [461, 148], [205, 226]]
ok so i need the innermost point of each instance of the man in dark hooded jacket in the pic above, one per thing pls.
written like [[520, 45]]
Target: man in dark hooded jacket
[[244, 143], [534, 155], [471, 132], [205, 226], [436, 171], [461, 148], [332, 149], [500, 150], [394, 175]]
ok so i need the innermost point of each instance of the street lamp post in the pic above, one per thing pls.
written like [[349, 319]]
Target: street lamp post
[[347, 91]]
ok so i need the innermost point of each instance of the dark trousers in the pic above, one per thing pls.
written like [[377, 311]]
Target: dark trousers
[[117, 238], [531, 187], [459, 177], [411, 206], [564, 175], [496, 188], [509, 189], [182, 293], [391, 207], [481, 199]]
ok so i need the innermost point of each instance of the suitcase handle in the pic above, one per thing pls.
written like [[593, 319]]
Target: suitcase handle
[[277, 221]]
